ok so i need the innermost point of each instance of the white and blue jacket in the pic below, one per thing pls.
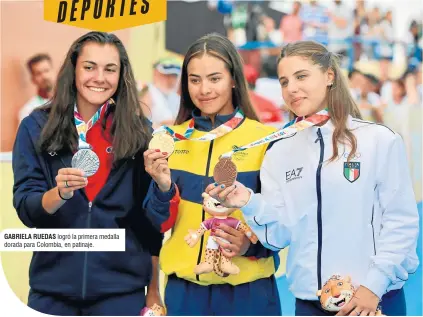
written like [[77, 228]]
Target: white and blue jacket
[[358, 218]]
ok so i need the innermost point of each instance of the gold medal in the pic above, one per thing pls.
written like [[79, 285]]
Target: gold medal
[[225, 172], [163, 142]]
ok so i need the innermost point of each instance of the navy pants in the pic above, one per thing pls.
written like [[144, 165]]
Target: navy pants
[[393, 304], [116, 305], [183, 298]]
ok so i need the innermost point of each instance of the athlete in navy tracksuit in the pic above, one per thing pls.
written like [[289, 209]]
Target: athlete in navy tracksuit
[[78, 281], [90, 283]]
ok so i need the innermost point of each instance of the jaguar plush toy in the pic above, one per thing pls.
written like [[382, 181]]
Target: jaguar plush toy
[[214, 260]]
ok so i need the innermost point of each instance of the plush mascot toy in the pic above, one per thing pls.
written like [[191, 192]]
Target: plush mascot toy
[[155, 310], [214, 260], [336, 293]]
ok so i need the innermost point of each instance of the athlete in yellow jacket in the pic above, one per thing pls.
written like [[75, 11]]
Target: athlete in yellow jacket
[[214, 92]]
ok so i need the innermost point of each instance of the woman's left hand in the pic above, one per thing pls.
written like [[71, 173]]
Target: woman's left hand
[[238, 245], [363, 303]]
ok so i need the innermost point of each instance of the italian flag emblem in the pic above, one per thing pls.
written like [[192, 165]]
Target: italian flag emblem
[[351, 171]]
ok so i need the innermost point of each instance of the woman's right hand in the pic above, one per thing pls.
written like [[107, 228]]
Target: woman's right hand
[[70, 179], [235, 196], [157, 166]]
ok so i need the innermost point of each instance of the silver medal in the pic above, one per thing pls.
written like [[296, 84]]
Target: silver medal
[[86, 160]]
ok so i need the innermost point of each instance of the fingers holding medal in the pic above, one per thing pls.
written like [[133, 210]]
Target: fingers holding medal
[[160, 148], [163, 142], [225, 188], [70, 179]]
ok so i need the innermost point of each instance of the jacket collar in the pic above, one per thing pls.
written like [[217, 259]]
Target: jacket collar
[[204, 123], [328, 128]]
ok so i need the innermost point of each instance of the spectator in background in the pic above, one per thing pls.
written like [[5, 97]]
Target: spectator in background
[[368, 100], [291, 25], [268, 84], [159, 99], [239, 20], [43, 77], [385, 49], [360, 19], [371, 34], [266, 110], [414, 41], [341, 28], [315, 19], [396, 114], [273, 34], [355, 78]]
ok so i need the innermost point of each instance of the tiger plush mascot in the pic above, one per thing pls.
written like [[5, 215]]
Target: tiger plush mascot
[[337, 292]]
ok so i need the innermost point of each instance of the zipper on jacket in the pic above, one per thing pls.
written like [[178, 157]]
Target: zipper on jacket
[[319, 208], [203, 215], [84, 272]]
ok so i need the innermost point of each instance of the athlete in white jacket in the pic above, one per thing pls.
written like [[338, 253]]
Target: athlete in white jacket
[[348, 210]]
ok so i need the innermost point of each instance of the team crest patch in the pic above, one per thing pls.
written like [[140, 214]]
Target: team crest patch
[[351, 171]]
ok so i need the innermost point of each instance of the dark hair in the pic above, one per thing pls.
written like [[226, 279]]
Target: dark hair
[[129, 128], [340, 102], [222, 48], [36, 59], [372, 78], [269, 67], [352, 72]]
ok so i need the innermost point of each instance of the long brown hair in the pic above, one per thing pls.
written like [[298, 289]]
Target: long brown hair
[[130, 131], [220, 47], [340, 102]]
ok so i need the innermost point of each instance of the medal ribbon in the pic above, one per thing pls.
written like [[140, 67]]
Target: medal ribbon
[[294, 126], [214, 134], [83, 127]]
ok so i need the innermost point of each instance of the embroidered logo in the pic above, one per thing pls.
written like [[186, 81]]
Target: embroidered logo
[[352, 171], [239, 156]]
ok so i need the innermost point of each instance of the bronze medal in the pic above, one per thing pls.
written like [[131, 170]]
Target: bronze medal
[[163, 142], [225, 172]]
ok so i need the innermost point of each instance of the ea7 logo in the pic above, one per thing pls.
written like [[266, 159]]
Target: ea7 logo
[[293, 174]]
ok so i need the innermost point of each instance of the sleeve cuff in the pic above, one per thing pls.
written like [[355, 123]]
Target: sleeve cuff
[[164, 196], [252, 205], [377, 282], [36, 211], [251, 251]]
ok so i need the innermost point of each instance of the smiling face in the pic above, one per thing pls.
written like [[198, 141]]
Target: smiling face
[[210, 85], [304, 85], [214, 208], [96, 74]]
